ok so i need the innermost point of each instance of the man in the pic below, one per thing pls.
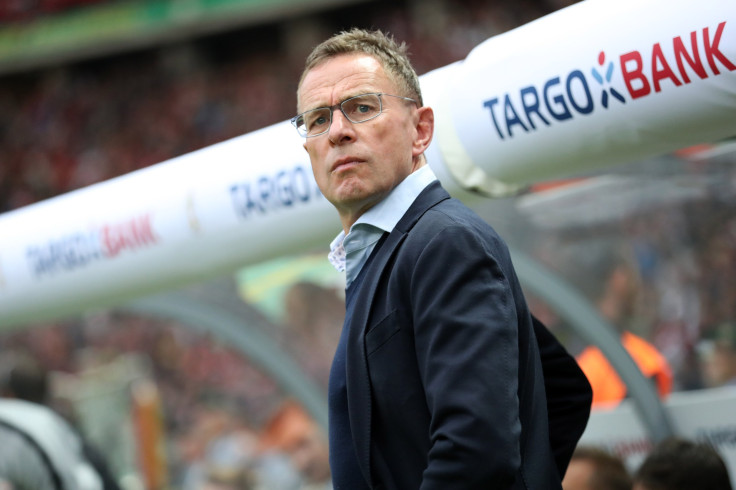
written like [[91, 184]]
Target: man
[[592, 468], [292, 432], [615, 303], [437, 380], [718, 356], [680, 464], [39, 449]]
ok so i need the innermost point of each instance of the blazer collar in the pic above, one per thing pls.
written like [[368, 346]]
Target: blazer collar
[[430, 196]]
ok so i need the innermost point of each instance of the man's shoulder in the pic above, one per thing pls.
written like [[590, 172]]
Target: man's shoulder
[[454, 209], [435, 213], [453, 213]]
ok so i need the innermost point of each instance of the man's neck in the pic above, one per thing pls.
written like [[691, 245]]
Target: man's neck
[[350, 214]]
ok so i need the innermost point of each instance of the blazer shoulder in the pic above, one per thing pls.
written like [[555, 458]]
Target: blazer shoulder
[[434, 205]]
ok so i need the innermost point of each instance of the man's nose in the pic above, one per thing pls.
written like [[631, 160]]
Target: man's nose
[[341, 128]]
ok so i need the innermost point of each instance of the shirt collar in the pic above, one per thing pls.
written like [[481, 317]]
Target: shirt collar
[[386, 213]]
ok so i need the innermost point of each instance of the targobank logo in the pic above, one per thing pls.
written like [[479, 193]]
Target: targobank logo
[[605, 80], [566, 97], [267, 193], [80, 249]]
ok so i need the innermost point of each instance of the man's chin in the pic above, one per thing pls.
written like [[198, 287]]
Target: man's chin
[[350, 195]]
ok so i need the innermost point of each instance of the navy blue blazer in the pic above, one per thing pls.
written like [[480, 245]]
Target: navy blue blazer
[[446, 388]]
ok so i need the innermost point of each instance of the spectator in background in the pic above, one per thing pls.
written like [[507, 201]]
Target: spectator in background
[[33, 432], [291, 431], [718, 355], [679, 464], [615, 304], [593, 468], [40, 451], [22, 377], [230, 479], [221, 451]]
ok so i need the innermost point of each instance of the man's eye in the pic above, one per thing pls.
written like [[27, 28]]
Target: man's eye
[[363, 108], [317, 121]]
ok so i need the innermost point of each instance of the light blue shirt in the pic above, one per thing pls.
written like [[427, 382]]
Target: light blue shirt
[[350, 252]]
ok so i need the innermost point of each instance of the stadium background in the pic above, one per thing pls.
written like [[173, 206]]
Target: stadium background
[[92, 89]]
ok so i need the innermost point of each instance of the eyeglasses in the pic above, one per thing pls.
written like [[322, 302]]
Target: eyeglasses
[[358, 109]]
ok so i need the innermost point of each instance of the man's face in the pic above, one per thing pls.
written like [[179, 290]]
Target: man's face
[[578, 475], [357, 165], [310, 456]]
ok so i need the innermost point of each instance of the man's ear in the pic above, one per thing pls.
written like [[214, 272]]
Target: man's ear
[[424, 130]]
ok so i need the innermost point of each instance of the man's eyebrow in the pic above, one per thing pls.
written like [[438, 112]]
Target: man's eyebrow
[[311, 108], [352, 94]]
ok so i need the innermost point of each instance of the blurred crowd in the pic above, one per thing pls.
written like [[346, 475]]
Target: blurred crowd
[[228, 426], [224, 423], [25, 10], [658, 274]]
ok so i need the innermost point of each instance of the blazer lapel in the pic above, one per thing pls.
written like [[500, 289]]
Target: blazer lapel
[[358, 381]]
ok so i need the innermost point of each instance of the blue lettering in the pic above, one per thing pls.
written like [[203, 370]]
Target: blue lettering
[[489, 104], [272, 192], [588, 108], [531, 107], [68, 253], [33, 255], [244, 200], [70, 256], [284, 189], [558, 99], [511, 116], [76, 254], [264, 186], [235, 197], [300, 184]]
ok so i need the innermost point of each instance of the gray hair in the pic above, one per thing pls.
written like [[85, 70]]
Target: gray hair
[[392, 56]]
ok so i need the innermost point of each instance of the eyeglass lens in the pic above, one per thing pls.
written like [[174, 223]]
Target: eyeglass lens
[[356, 109]]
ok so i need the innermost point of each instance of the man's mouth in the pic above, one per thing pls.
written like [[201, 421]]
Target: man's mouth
[[345, 162]]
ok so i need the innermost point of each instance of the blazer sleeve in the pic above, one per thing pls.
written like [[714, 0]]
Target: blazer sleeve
[[465, 329], [569, 395]]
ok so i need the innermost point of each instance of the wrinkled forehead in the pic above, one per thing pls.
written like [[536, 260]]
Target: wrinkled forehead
[[341, 77]]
